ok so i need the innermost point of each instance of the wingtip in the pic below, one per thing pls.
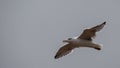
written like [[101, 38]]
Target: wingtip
[[104, 22], [56, 57]]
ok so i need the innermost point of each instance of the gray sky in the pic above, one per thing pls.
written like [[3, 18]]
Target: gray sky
[[32, 31]]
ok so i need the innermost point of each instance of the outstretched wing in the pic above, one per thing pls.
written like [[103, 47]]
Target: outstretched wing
[[89, 33], [66, 49], [98, 27]]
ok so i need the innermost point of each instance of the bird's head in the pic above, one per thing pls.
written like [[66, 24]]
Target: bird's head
[[68, 40]]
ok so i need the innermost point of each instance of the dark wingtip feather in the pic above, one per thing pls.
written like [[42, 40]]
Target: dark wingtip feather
[[104, 22], [56, 57]]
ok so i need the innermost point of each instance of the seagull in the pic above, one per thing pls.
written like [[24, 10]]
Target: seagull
[[84, 40]]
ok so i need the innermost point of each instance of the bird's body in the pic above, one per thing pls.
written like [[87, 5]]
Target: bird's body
[[84, 40], [80, 42]]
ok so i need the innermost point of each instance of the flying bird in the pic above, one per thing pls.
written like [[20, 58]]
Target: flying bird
[[84, 40]]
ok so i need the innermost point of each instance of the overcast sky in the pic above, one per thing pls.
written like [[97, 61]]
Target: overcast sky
[[31, 32]]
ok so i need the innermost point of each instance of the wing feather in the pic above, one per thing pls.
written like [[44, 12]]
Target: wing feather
[[98, 27], [66, 49], [89, 33]]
